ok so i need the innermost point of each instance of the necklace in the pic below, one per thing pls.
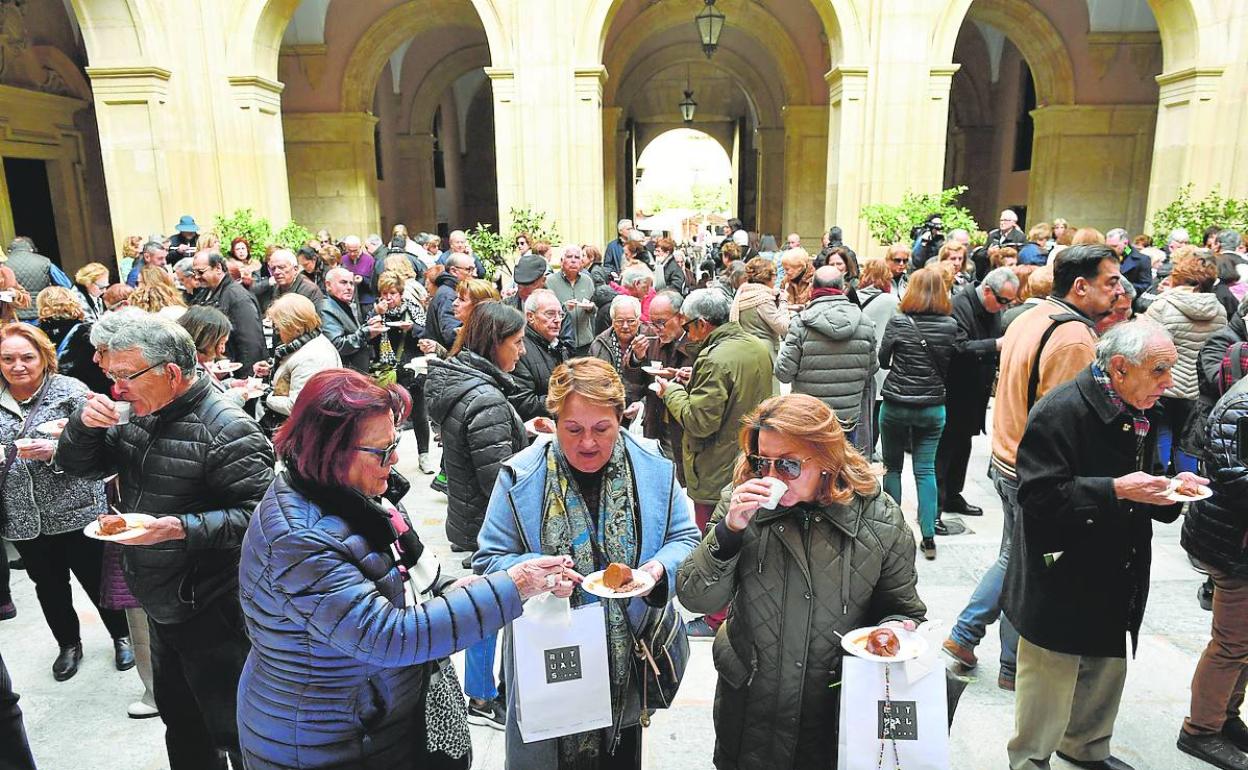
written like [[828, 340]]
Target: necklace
[[888, 724]]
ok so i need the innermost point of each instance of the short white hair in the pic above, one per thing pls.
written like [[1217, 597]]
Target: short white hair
[[625, 300], [286, 254], [1130, 339], [623, 223], [535, 299], [1179, 235], [1009, 214], [635, 274], [350, 240], [573, 250]]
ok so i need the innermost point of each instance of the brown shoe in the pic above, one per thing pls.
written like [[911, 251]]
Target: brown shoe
[[1005, 683], [959, 653]]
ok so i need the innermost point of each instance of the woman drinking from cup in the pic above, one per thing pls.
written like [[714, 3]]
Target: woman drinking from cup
[[804, 548], [593, 493]]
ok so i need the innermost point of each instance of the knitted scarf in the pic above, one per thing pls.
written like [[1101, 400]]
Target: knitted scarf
[[285, 349], [593, 539]]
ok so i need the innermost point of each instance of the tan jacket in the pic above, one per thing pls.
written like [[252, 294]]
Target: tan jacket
[[1071, 347]]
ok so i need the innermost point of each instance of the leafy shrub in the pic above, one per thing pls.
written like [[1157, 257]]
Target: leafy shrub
[[1195, 215], [891, 222], [494, 248], [245, 223]]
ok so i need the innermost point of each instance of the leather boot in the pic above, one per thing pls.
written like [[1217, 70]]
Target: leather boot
[[123, 653], [66, 663]]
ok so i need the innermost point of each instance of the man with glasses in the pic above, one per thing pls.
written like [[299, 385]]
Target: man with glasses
[[575, 290], [286, 278], [977, 348], [246, 344], [731, 376], [442, 323], [669, 346], [543, 352], [184, 454]]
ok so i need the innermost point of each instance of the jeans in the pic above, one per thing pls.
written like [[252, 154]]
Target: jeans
[[49, 561], [14, 748], [985, 604], [1221, 674], [196, 665], [479, 669], [924, 424], [1173, 419]]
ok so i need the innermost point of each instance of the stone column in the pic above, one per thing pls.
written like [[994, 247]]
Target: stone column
[[1091, 163], [846, 182], [258, 158], [332, 171], [614, 145], [770, 176], [805, 170], [417, 196], [1192, 145]]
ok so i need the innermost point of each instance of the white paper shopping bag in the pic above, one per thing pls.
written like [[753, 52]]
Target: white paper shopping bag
[[563, 685], [912, 719]]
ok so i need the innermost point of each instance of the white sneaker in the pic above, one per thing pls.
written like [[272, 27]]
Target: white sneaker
[[426, 464]]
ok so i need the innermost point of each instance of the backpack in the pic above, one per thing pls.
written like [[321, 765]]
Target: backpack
[[1193, 438], [1234, 365]]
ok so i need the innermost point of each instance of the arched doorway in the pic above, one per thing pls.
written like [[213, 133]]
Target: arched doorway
[[685, 182]]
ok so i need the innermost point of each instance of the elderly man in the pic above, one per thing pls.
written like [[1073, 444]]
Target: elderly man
[[1044, 347], [1079, 568], [185, 454], [154, 254], [969, 385], [638, 282], [360, 263], [669, 347], [613, 255], [615, 342], [441, 323], [1178, 237], [794, 241], [246, 344], [731, 376], [829, 351], [341, 321], [1007, 232], [543, 352], [458, 244], [1135, 266], [575, 290], [530, 276], [184, 275], [286, 278]]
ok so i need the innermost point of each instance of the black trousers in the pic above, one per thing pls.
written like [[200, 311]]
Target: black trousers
[[6, 595], [196, 666], [49, 561], [420, 414], [953, 454], [14, 748]]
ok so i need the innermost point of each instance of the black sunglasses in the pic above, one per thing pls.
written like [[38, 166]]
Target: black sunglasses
[[385, 456], [787, 468]]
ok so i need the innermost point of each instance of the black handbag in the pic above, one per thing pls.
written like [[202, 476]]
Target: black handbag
[[661, 654]]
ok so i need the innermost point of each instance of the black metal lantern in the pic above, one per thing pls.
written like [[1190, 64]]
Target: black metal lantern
[[688, 107], [710, 23]]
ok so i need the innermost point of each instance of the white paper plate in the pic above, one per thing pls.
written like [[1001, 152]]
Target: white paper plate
[[1173, 494], [652, 370], [912, 645], [396, 324], [137, 521], [593, 585], [53, 428], [224, 367]]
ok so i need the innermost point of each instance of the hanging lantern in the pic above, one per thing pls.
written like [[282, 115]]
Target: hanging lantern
[[688, 107], [710, 23]]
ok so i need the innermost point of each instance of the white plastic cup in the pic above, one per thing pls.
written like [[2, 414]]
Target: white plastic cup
[[656, 364], [7, 296], [123, 412], [778, 488]]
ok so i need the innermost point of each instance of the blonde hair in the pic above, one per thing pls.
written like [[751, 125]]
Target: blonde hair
[[875, 272], [155, 296], [811, 423], [592, 379], [90, 273], [390, 281], [155, 276], [293, 315], [38, 339], [131, 245], [397, 263], [58, 302], [799, 276]]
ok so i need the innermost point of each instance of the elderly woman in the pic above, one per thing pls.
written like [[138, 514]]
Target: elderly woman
[[62, 318], [467, 396], [596, 494], [468, 294], [835, 536], [672, 268], [346, 609], [1191, 313], [613, 345], [799, 276], [116, 296], [301, 352], [90, 282], [638, 282], [757, 307], [44, 509]]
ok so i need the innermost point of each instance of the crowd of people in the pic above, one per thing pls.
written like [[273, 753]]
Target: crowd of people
[[638, 404]]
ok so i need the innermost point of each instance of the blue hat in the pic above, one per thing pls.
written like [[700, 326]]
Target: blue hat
[[186, 225]]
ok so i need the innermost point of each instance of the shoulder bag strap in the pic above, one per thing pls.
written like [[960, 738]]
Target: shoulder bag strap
[[923, 342], [10, 457], [1033, 379]]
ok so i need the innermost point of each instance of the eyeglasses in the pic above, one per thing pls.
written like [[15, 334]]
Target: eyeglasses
[[685, 324], [552, 315], [127, 378], [899, 260], [200, 272], [1000, 300], [386, 456], [787, 468]]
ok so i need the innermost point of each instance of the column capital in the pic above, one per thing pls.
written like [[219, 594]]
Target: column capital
[[129, 85], [255, 92], [589, 82], [503, 83], [1185, 85], [846, 82]]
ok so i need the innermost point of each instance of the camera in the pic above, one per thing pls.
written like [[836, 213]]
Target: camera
[[929, 231]]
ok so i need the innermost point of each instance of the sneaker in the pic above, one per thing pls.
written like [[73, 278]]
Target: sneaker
[[426, 464], [1204, 595], [1214, 749], [698, 628], [963, 655], [439, 483], [140, 710], [8, 611], [929, 549], [1005, 682], [488, 713], [1235, 731]]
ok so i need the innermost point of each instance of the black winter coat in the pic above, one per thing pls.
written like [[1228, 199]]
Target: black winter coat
[[342, 325], [917, 371], [974, 364], [1215, 531], [440, 322], [202, 459], [480, 430], [77, 360], [1100, 547], [532, 374], [246, 344]]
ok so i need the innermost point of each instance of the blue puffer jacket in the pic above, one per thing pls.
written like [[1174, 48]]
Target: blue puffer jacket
[[336, 675]]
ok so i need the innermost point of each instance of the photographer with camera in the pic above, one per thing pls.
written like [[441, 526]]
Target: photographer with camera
[[928, 238]]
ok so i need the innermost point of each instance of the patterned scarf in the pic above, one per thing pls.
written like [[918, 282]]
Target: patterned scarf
[[1139, 421], [288, 348], [569, 527]]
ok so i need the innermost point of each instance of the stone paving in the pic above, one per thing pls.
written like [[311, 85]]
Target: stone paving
[[81, 724]]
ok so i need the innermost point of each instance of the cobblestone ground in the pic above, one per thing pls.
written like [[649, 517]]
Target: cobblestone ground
[[81, 724]]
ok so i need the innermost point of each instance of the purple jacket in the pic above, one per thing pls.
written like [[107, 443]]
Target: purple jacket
[[363, 268]]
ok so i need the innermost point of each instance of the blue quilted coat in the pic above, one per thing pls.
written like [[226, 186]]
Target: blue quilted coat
[[337, 671]]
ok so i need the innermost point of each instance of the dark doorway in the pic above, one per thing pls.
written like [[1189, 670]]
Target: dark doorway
[[31, 200]]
